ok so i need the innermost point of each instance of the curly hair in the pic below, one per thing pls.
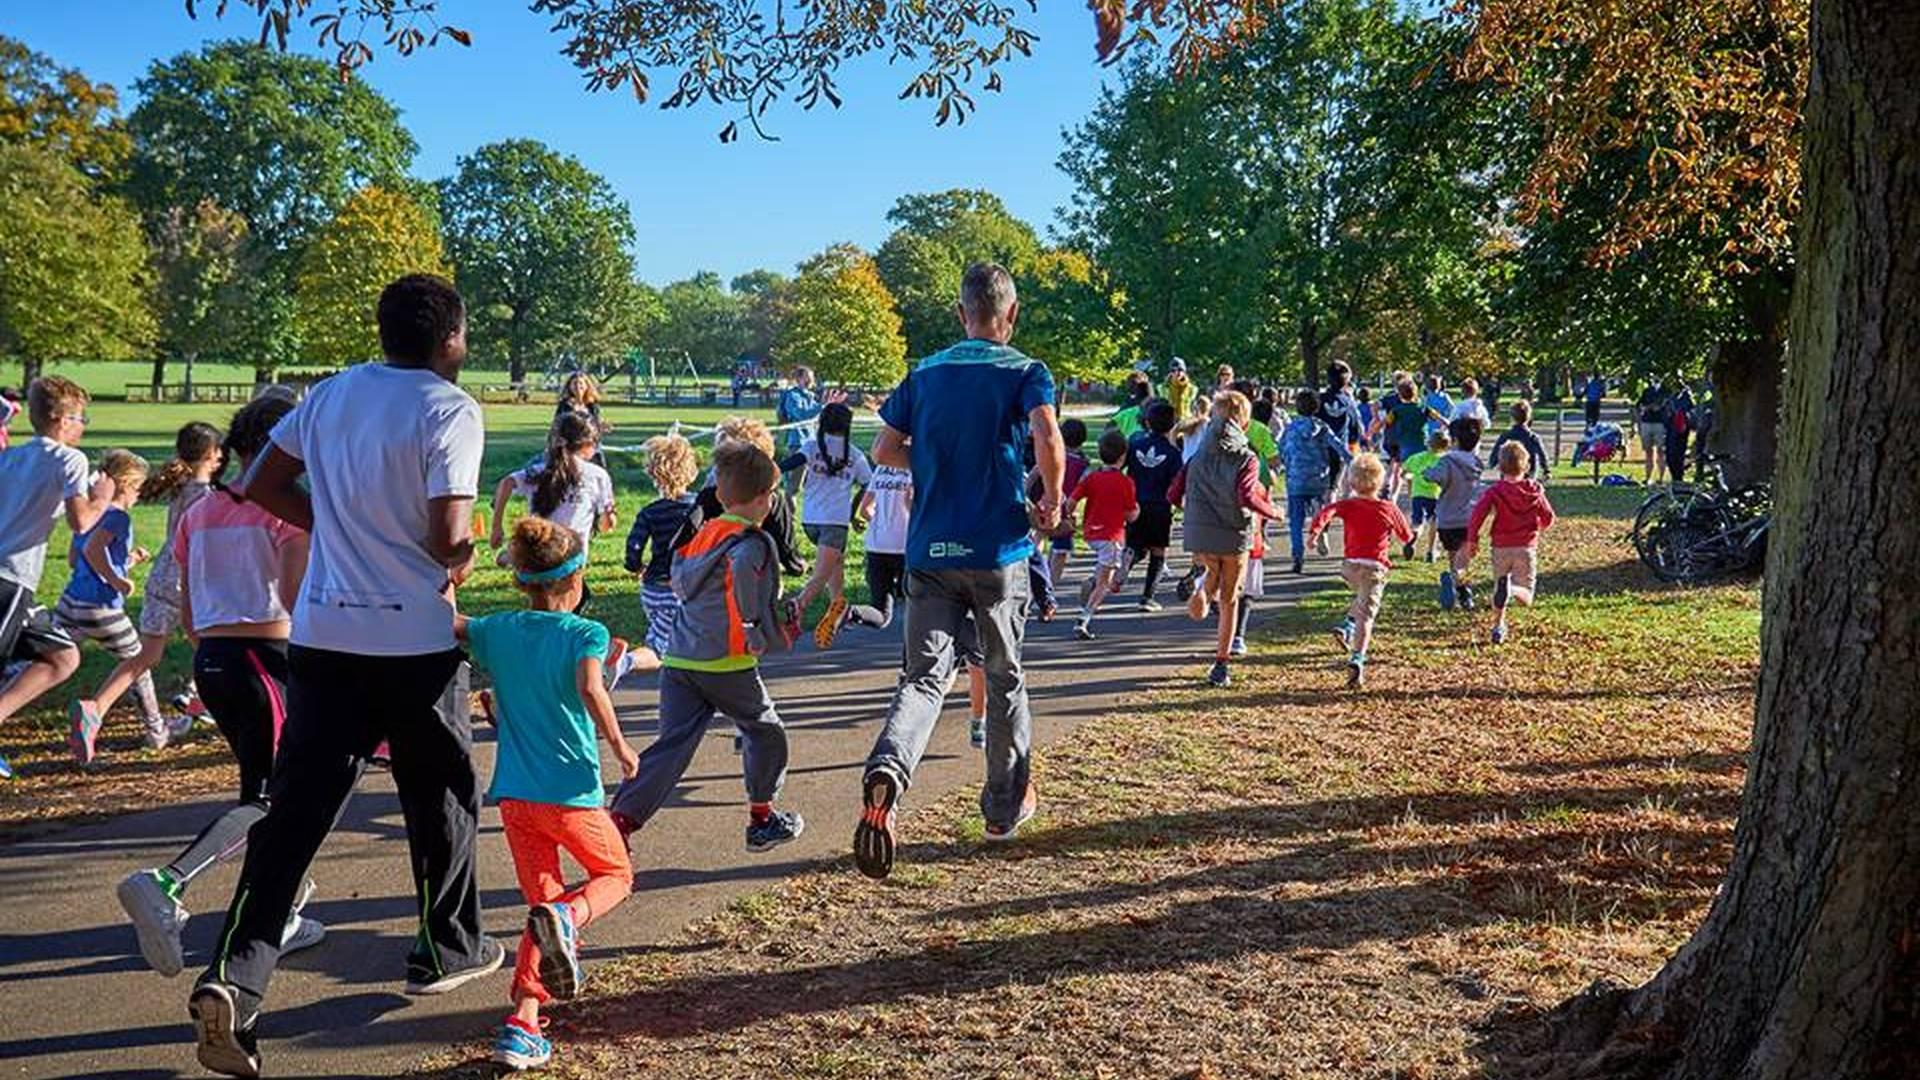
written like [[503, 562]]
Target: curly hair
[[671, 464], [1367, 473], [539, 545], [747, 430]]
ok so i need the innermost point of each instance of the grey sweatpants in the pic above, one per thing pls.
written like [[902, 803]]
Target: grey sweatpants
[[938, 602], [688, 702]]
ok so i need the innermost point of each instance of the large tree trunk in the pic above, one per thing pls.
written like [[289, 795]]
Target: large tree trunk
[[1747, 376], [1808, 963], [29, 371], [159, 372], [1310, 353]]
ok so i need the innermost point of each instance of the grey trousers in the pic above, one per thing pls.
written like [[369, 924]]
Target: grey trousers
[[938, 602], [688, 702]]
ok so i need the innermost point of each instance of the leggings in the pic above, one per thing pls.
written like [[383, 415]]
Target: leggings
[[243, 683], [886, 587]]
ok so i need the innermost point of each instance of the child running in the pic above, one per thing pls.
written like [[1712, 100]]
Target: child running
[[886, 507], [182, 482], [836, 471], [1539, 465], [547, 665], [1520, 512], [728, 581], [672, 467], [240, 572], [94, 604], [1219, 491], [1458, 475], [1109, 496], [567, 488], [1426, 493], [1152, 463], [1370, 525], [1073, 433], [1312, 453]]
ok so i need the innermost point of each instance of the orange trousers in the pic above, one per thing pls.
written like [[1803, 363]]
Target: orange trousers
[[536, 835]]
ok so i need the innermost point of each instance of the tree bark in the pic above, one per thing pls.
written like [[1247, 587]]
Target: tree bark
[[159, 372], [1310, 353], [29, 371], [1747, 376], [1807, 963]]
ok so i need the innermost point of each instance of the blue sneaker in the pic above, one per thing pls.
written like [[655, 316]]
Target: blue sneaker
[[1446, 590], [554, 934], [781, 826], [1499, 635], [977, 732], [6, 770], [519, 1049]]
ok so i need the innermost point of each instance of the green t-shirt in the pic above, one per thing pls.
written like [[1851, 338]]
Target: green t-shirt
[[1260, 439], [1127, 420], [1417, 467], [549, 751]]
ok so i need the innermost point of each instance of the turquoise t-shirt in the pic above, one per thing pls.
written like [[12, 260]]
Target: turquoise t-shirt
[[548, 749]]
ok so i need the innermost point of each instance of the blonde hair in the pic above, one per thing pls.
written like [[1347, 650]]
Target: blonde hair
[[50, 397], [539, 545], [1439, 441], [580, 389], [671, 464], [1366, 473], [125, 468], [1514, 459], [1234, 406], [747, 430]]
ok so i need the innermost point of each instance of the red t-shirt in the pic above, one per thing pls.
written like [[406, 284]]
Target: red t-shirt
[[1109, 496], [1371, 526]]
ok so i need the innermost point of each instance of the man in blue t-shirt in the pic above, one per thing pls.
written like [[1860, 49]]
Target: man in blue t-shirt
[[959, 423]]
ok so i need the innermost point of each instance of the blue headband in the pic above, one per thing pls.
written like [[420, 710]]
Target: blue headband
[[565, 569]]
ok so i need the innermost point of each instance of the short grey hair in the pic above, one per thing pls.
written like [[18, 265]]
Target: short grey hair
[[986, 291]]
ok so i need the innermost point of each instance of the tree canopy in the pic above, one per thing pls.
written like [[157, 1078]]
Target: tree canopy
[[842, 321], [197, 253], [702, 321], [379, 235], [62, 111], [539, 246]]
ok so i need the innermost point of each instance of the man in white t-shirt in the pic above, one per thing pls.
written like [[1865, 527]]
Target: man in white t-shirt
[[391, 452]]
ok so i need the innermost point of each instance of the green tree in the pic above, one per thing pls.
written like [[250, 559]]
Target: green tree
[[842, 321], [61, 111], [539, 245], [377, 236], [279, 139], [701, 321], [763, 295], [196, 256], [923, 275], [73, 266], [1070, 317], [936, 237]]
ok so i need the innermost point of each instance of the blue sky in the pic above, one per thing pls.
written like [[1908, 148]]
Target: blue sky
[[696, 203]]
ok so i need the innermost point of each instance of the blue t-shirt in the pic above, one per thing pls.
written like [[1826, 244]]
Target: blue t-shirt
[[1439, 402], [795, 407], [548, 750], [88, 587], [965, 411], [1152, 463]]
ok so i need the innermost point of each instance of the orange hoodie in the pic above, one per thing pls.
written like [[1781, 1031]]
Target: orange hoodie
[[1520, 510]]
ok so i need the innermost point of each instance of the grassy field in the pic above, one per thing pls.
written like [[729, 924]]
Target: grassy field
[[1284, 879]]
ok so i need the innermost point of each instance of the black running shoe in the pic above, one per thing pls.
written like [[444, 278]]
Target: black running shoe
[[225, 1043], [873, 838]]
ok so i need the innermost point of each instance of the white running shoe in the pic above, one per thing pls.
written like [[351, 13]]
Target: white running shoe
[[301, 933], [157, 920]]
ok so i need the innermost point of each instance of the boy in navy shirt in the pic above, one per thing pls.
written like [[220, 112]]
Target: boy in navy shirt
[[1152, 463]]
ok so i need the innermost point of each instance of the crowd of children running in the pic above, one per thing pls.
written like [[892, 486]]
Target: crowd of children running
[[709, 552]]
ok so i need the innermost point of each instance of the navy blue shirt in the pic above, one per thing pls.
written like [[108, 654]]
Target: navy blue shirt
[[965, 412], [1152, 463]]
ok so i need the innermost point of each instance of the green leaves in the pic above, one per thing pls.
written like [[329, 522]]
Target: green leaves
[[841, 321], [379, 235]]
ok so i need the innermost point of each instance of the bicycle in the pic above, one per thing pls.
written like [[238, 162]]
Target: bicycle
[[1693, 533]]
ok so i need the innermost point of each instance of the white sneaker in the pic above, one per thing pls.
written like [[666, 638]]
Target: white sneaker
[[156, 733], [301, 933], [157, 920]]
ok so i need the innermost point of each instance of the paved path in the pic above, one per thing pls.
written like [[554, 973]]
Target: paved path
[[78, 1001]]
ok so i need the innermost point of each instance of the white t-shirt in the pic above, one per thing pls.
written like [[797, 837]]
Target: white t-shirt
[[1473, 407], [892, 503], [379, 442], [827, 497], [37, 478], [580, 511]]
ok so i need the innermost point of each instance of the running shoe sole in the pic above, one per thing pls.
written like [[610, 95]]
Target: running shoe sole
[[218, 1039], [559, 966], [157, 921], [452, 981], [873, 841], [519, 1062], [830, 622]]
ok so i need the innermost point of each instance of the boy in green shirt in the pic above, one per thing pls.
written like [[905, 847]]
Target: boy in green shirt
[[1426, 493]]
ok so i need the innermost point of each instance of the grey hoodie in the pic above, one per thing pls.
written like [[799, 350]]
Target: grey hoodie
[[1217, 523], [1458, 474], [727, 578]]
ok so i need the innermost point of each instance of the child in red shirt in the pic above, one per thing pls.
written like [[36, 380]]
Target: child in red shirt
[[1372, 525], [1111, 504], [1520, 510]]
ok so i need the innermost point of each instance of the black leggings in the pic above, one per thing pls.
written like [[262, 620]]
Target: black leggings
[[243, 683], [886, 587]]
